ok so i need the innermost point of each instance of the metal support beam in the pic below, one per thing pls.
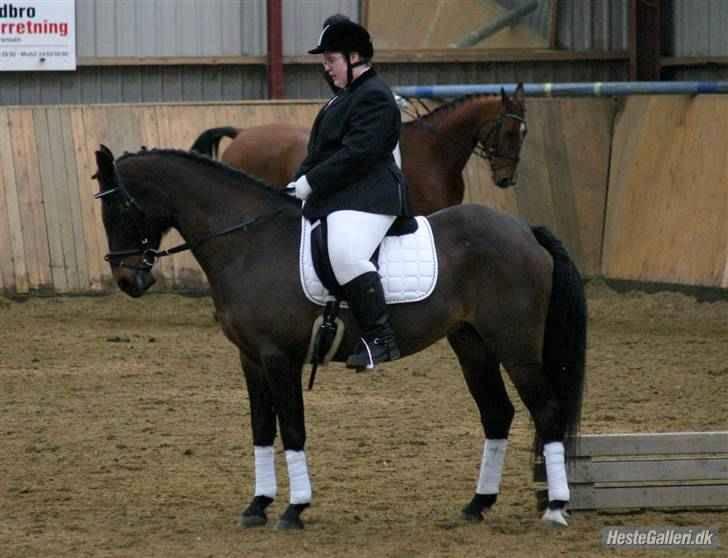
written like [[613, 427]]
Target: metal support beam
[[275, 50], [645, 39], [472, 39], [577, 89]]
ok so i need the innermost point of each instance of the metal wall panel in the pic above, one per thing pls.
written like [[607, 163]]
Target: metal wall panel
[[700, 28], [134, 84], [302, 21], [305, 81], [539, 20], [108, 28], [593, 24], [141, 84], [700, 73]]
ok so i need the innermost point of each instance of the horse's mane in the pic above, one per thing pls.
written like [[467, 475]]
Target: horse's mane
[[449, 106], [244, 179]]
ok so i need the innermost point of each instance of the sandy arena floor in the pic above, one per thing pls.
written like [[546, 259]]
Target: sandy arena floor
[[125, 432]]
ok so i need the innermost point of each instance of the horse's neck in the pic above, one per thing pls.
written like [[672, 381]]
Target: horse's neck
[[205, 203], [460, 127]]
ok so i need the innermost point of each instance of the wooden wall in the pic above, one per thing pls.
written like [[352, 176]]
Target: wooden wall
[[648, 202], [667, 213], [562, 175], [51, 236]]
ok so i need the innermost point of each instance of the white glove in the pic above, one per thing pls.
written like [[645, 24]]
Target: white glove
[[301, 189]]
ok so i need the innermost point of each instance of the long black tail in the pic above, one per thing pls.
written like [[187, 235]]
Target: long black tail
[[208, 141], [564, 352]]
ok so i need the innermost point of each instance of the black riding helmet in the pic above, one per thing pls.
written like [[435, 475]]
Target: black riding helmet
[[340, 34]]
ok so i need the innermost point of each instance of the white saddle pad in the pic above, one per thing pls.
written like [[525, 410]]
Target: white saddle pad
[[407, 264]]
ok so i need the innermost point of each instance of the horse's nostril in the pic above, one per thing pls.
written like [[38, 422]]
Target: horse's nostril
[[144, 281]]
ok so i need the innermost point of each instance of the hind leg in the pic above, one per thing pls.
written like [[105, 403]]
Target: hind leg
[[263, 423], [538, 396], [482, 375]]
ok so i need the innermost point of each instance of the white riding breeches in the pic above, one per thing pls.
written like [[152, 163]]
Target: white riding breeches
[[352, 237]]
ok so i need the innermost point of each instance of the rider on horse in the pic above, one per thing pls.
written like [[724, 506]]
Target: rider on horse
[[350, 179]]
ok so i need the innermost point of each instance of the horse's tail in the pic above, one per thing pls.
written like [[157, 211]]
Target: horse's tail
[[208, 141], [564, 351]]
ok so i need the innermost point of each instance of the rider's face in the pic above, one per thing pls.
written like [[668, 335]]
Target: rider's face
[[335, 66]]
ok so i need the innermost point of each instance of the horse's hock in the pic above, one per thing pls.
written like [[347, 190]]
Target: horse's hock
[[659, 209]]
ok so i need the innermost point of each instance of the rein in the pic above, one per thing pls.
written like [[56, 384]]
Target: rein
[[151, 255]]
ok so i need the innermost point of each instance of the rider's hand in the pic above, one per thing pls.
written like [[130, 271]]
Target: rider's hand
[[300, 188]]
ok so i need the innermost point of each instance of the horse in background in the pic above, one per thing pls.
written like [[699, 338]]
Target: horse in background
[[435, 148], [506, 294]]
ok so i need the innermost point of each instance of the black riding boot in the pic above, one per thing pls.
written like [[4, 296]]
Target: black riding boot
[[366, 300]]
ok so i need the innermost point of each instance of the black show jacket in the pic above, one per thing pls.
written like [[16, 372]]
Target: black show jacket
[[349, 164]]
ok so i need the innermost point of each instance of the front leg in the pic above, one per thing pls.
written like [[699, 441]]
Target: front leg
[[263, 423], [285, 384]]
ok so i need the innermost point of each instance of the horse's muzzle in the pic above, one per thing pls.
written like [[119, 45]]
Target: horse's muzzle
[[505, 182], [135, 284]]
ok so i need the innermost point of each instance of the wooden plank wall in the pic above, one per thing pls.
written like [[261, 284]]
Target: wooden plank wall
[[665, 217], [667, 214], [562, 175], [51, 235], [679, 470]]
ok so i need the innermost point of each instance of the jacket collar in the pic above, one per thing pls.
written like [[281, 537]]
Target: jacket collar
[[370, 73]]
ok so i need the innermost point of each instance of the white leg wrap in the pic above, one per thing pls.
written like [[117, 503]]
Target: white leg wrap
[[300, 485], [265, 471], [554, 455], [491, 466]]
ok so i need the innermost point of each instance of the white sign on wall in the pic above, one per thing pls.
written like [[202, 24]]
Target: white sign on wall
[[37, 35]]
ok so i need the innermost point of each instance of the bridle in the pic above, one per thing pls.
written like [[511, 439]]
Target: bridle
[[150, 255], [491, 149]]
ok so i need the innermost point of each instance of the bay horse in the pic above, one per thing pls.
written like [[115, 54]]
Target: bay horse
[[435, 148], [506, 294]]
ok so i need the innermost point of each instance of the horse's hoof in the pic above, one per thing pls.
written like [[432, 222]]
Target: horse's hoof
[[470, 516], [287, 524], [556, 517], [254, 514], [252, 520], [477, 506], [291, 518]]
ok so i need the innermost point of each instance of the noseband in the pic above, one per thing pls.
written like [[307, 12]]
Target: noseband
[[149, 255], [490, 148]]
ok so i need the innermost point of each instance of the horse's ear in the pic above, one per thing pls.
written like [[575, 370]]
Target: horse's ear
[[520, 94], [105, 167]]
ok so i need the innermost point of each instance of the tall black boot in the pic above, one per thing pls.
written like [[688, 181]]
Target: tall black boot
[[365, 296]]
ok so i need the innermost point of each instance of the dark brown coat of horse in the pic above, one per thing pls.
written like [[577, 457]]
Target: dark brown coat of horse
[[435, 148], [507, 294]]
